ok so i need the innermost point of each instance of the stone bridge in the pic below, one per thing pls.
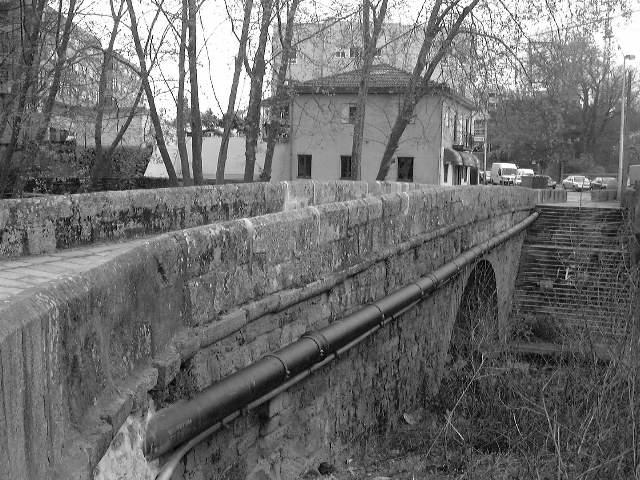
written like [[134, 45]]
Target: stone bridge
[[117, 305]]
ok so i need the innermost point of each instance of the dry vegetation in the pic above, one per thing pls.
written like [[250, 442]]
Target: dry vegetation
[[514, 416]]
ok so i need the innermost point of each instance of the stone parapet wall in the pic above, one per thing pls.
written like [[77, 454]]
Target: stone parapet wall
[[45, 224], [188, 307], [551, 196]]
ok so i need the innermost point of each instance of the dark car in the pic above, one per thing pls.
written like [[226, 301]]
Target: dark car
[[602, 183], [551, 183]]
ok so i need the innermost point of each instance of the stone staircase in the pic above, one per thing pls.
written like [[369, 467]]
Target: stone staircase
[[573, 276]]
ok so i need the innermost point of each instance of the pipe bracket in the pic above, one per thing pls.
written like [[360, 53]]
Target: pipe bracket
[[287, 372], [320, 340], [381, 312]]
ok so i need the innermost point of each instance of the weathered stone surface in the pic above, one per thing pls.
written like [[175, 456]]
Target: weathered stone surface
[[41, 225], [223, 295], [168, 365]]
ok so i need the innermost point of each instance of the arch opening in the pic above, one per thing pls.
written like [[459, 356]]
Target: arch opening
[[474, 338], [476, 325]]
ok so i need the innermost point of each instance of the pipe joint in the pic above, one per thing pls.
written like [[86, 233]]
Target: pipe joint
[[381, 321], [287, 372], [320, 340]]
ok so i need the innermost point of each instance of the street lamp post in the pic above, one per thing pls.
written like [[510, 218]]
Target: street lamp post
[[621, 153], [484, 146]]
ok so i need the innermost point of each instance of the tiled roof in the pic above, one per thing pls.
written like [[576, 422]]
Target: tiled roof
[[380, 76], [383, 78]]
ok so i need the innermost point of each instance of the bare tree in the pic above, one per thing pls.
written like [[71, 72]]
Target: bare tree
[[102, 167], [252, 128], [419, 83], [231, 106], [280, 96], [196, 121], [369, 42], [153, 111], [61, 59], [180, 104], [32, 29]]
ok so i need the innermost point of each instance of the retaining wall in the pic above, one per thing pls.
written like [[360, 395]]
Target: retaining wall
[[179, 312]]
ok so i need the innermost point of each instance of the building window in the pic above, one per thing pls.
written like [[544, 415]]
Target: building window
[[340, 53], [293, 56], [304, 166], [355, 52], [352, 113], [455, 130], [405, 169], [346, 167], [459, 175], [446, 172]]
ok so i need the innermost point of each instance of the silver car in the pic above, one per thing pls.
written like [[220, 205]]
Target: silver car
[[577, 183]]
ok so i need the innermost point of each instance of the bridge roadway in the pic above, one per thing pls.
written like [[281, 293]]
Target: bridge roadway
[[20, 276]]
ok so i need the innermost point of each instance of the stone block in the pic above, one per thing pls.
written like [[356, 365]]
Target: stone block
[[249, 438], [116, 409], [259, 308], [168, 365], [186, 343], [226, 325], [333, 221], [202, 294], [276, 405]]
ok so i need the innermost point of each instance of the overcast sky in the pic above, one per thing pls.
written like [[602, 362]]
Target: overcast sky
[[217, 59], [626, 41]]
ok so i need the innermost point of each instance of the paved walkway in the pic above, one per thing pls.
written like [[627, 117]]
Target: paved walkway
[[18, 275]]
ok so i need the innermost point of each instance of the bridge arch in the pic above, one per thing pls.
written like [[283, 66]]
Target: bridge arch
[[476, 324]]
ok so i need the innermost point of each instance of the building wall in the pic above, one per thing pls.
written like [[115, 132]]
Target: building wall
[[457, 129], [320, 127]]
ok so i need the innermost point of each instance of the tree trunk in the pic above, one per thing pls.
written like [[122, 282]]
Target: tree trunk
[[419, 83], [196, 121], [122, 130], [369, 50], [29, 74], [280, 91], [153, 111], [180, 133], [103, 167], [255, 93], [228, 118], [61, 54]]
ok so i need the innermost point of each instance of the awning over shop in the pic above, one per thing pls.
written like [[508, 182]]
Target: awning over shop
[[452, 157], [470, 160]]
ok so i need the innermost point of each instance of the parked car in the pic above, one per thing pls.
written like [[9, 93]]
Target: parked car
[[551, 183], [602, 183], [577, 183], [486, 174]]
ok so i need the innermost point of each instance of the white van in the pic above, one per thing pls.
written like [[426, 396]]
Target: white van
[[503, 173], [523, 172]]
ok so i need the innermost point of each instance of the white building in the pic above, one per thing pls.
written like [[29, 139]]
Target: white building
[[316, 131]]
